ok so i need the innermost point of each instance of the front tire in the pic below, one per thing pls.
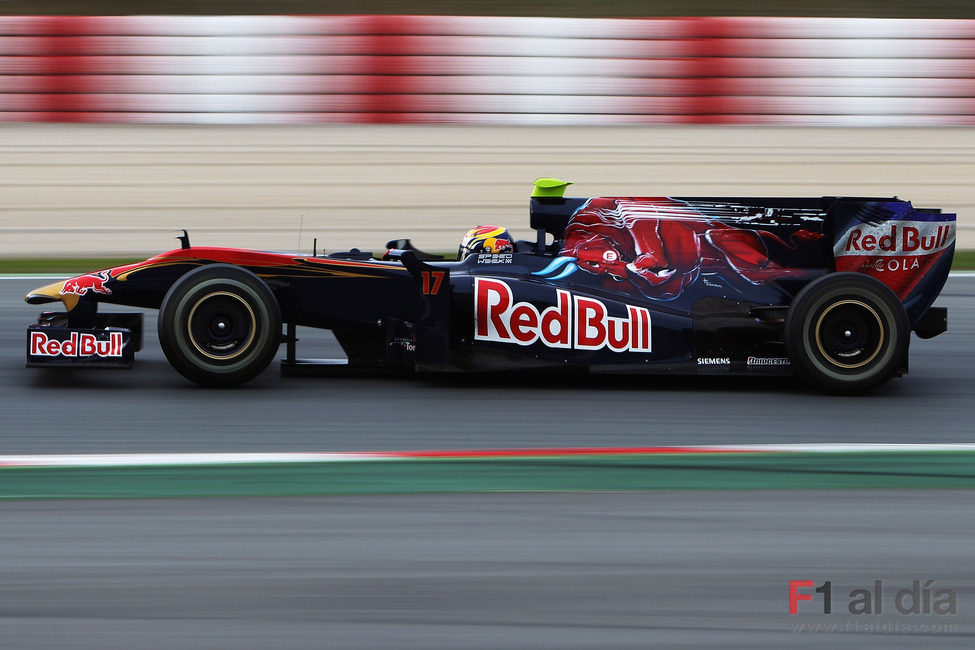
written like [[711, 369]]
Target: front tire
[[219, 325], [847, 333]]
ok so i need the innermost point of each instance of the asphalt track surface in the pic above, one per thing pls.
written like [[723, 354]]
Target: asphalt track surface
[[501, 570], [153, 409], [517, 570]]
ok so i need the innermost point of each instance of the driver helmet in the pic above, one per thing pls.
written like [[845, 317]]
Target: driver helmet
[[486, 239]]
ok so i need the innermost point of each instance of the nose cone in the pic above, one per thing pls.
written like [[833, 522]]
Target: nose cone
[[52, 293]]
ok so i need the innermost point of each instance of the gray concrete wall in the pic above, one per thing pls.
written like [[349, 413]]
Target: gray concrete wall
[[82, 190]]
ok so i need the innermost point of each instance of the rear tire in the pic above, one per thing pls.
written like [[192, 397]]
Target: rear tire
[[219, 325], [847, 333]]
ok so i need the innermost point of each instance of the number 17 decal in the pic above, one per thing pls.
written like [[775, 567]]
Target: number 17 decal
[[431, 281]]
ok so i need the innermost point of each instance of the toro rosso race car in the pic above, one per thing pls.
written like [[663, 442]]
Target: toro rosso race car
[[827, 288]]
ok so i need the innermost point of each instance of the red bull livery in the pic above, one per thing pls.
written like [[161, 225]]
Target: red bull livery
[[829, 289], [82, 284]]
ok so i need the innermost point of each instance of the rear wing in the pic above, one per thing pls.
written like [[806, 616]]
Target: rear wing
[[909, 249]]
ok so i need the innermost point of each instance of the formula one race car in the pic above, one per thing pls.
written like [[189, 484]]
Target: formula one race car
[[829, 288]]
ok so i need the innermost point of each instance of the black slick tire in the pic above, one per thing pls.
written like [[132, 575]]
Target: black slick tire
[[847, 333], [219, 325]]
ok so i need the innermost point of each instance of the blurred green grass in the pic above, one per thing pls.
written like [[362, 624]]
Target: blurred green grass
[[568, 8], [63, 265], [964, 261]]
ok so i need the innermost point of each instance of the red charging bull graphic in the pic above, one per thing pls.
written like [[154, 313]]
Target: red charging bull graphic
[[574, 322], [94, 282], [663, 245], [898, 252]]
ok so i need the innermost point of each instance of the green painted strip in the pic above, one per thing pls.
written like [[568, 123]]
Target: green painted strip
[[638, 472]]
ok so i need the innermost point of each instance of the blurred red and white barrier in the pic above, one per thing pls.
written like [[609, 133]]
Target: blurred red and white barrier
[[481, 70]]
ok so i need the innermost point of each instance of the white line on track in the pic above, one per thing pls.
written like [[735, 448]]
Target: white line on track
[[174, 459], [118, 460]]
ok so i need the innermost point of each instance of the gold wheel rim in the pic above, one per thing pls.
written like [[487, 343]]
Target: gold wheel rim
[[240, 349], [870, 310]]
